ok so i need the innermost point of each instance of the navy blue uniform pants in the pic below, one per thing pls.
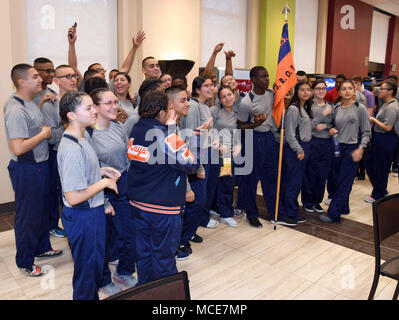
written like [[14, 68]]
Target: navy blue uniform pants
[[125, 235], [291, 181], [378, 162], [225, 195], [265, 167], [30, 184], [316, 172], [85, 230], [344, 170], [157, 239], [55, 194]]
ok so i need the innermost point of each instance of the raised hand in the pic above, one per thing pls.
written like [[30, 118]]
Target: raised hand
[[230, 54], [218, 48], [139, 39]]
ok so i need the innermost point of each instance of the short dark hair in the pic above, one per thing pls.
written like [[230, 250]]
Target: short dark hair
[[392, 86], [69, 102], [173, 90], [42, 60], [301, 73], [180, 76], [341, 76], [19, 72], [153, 102], [89, 73], [92, 65], [253, 73], [318, 81], [94, 83], [392, 76], [145, 60], [149, 84], [357, 79], [311, 76], [62, 66], [114, 70]]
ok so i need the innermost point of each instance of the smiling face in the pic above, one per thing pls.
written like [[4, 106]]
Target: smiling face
[[179, 103], [320, 91], [121, 84], [31, 82], [151, 69], [206, 90], [108, 105], [46, 72], [229, 81], [227, 98], [85, 113]]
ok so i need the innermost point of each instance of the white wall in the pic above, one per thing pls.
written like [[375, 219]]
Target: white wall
[[305, 41], [379, 37], [224, 21]]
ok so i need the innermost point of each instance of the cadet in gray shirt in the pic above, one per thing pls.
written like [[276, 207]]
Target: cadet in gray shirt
[[83, 214], [29, 170], [384, 142], [298, 133], [352, 126]]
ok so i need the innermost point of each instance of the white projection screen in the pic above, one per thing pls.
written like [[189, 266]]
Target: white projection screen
[[47, 23], [379, 37]]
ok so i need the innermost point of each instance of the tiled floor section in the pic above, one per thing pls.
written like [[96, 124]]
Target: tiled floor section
[[237, 263]]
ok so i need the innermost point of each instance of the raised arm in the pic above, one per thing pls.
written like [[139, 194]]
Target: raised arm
[[72, 58], [209, 70], [128, 62], [229, 64]]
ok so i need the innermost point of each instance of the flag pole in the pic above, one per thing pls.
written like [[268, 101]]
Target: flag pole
[[280, 164], [280, 159]]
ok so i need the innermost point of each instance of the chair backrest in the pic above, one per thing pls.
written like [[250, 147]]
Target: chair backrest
[[386, 217], [174, 287]]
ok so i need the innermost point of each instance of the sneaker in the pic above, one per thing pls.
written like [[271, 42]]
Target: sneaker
[[285, 222], [308, 208], [239, 213], [111, 289], [369, 199], [57, 232], [325, 218], [213, 212], [327, 201], [318, 209], [212, 224], [33, 271], [301, 220], [114, 263], [196, 238], [230, 222], [255, 222], [182, 253], [395, 174], [49, 254], [126, 280]]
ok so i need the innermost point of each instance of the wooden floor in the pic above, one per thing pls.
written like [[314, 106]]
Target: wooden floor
[[236, 263]]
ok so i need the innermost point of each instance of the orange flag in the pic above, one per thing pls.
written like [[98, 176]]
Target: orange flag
[[285, 77]]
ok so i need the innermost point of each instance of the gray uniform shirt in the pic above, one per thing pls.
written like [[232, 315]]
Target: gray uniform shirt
[[259, 104], [226, 125], [131, 122], [78, 168], [41, 95], [388, 114], [350, 122], [319, 118], [51, 115], [197, 115], [111, 146], [297, 122], [23, 119], [361, 98], [127, 106]]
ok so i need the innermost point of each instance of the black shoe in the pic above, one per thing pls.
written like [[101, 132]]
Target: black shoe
[[255, 222], [196, 238], [183, 252], [301, 220], [361, 177], [308, 209], [287, 222], [49, 254], [318, 209]]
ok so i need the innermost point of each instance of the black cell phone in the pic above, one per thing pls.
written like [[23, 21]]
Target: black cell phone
[[74, 26]]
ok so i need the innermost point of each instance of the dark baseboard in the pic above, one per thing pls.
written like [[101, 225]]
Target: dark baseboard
[[7, 208]]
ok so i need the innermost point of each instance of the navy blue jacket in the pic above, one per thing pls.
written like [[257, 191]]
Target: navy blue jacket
[[157, 175]]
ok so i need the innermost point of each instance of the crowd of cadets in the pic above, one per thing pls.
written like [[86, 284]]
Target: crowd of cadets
[[87, 148]]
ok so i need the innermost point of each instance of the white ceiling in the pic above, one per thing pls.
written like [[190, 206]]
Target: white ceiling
[[390, 6]]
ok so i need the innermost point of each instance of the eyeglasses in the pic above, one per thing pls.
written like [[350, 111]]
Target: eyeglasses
[[47, 70], [110, 103], [68, 76], [99, 70], [385, 89], [320, 89]]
